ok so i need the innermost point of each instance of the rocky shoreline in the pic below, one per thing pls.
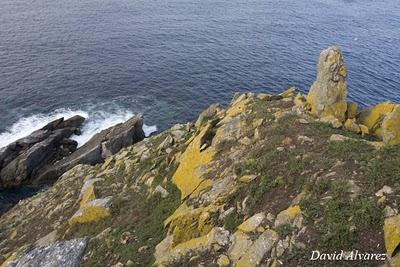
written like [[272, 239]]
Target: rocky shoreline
[[48, 152], [263, 182]]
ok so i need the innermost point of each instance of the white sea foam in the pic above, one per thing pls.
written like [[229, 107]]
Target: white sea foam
[[95, 122]]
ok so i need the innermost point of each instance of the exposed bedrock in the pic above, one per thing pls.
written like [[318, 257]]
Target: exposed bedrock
[[25, 159], [100, 146]]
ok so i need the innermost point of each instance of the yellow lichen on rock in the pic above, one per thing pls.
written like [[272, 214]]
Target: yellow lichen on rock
[[179, 212], [300, 100], [258, 249], [196, 246], [352, 126], [239, 106], [207, 114], [364, 129], [87, 196], [251, 224], [93, 211], [207, 183], [291, 215], [247, 178], [90, 214], [391, 230], [372, 117], [351, 110], [223, 261], [327, 96], [391, 127], [187, 223], [332, 121], [288, 93], [241, 242], [188, 176]]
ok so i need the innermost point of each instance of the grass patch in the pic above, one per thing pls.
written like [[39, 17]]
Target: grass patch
[[232, 221], [326, 130], [383, 169], [349, 150], [134, 217], [247, 167], [340, 218], [284, 230]]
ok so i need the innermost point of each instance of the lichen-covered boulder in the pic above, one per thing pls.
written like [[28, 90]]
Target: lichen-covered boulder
[[291, 215], [327, 96], [165, 255], [259, 249], [288, 93], [332, 121], [373, 117], [93, 211], [240, 243], [62, 253], [207, 114], [352, 110], [391, 230], [352, 126], [87, 192], [251, 224], [391, 127]]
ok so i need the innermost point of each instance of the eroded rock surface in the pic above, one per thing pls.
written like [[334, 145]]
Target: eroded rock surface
[[327, 96], [62, 253], [104, 144], [27, 158]]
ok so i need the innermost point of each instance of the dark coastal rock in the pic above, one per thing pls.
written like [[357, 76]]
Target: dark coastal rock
[[100, 146], [26, 158], [62, 253]]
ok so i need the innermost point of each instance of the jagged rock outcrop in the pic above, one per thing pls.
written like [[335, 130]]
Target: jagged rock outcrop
[[26, 158], [100, 146], [327, 96]]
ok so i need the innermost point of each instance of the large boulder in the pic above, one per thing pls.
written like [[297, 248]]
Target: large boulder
[[383, 121], [391, 127], [26, 158], [106, 143], [61, 253], [327, 96], [372, 117]]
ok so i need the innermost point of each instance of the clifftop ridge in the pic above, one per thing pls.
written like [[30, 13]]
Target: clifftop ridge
[[262, 182]]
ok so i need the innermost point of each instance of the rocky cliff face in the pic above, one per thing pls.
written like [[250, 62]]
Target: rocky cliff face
[[262, 182]]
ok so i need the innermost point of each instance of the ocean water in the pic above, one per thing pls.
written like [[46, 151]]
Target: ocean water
[[170, 59]]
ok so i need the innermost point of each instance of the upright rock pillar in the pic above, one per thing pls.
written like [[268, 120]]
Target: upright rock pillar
[[327, 96]]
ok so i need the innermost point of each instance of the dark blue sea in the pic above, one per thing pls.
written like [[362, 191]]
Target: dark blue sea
[[170, 59]]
